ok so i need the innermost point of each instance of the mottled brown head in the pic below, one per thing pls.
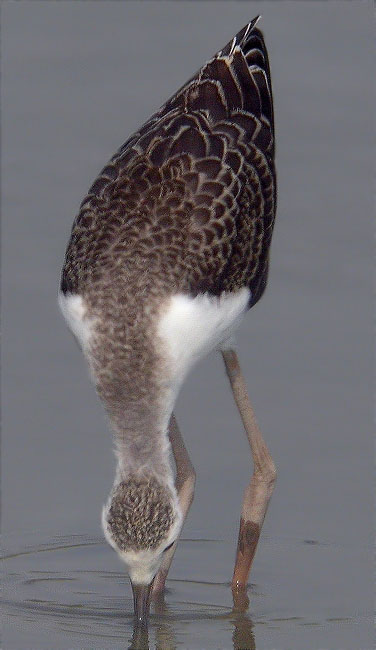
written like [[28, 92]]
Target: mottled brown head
[[140, 514], [141, 519]]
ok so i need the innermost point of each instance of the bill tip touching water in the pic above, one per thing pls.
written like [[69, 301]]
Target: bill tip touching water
[[169, 250]]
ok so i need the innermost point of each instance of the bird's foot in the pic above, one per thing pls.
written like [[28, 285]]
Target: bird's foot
[[240, 597]]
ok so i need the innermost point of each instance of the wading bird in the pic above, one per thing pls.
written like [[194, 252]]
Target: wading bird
[[169, 250]]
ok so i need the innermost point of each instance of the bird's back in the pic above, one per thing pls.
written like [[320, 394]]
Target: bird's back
[[187, 204]]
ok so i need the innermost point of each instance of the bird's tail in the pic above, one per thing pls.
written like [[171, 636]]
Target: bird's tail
[[235, 81], [250, 42]]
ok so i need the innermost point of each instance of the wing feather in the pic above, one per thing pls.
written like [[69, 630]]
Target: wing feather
[[189, 200]]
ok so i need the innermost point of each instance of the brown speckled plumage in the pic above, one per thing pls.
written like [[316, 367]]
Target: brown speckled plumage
[[188, 201], [186, 205], [140, 514]]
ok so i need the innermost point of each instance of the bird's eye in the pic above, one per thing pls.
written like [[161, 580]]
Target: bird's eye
[[168, 547]]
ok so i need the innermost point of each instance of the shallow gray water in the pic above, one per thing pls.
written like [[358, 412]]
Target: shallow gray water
[[77, 79], [69, 589]]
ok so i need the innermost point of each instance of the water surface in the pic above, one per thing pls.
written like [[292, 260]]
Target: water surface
[[73, 589]]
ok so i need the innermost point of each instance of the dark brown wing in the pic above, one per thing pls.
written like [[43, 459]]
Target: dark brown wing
[[189, 200]]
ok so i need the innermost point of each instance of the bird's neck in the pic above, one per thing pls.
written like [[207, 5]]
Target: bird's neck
[[142, 446], [132, 383], [138, 456]]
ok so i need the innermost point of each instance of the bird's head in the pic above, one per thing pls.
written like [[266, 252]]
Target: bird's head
[[141, 520]]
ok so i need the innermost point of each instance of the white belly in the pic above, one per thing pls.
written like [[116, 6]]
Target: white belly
[[74, 311], [188, 329], [192, 327]]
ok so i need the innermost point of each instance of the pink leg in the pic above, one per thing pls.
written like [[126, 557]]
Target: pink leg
[[260, 488], [185, 485]]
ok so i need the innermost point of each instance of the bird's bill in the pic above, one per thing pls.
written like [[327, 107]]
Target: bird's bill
[[141, 600]]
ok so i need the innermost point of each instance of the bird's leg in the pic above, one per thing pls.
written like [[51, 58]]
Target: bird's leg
[[259, 491], [185, 485]]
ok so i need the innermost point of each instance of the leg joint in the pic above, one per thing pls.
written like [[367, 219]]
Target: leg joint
[[186, 480], [266, 474]]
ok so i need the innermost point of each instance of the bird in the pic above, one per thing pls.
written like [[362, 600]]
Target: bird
[[169, 250]]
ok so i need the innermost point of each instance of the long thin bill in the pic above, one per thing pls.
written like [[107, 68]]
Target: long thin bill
[[141, 600]]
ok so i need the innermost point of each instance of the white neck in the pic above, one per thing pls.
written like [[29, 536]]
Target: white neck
[[142, 447]]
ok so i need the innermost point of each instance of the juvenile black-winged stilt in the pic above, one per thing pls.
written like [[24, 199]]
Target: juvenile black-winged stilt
[[169, 250]]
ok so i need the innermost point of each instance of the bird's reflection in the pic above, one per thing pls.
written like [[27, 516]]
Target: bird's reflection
[[165, 635], [242, 637], [140, 638]]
